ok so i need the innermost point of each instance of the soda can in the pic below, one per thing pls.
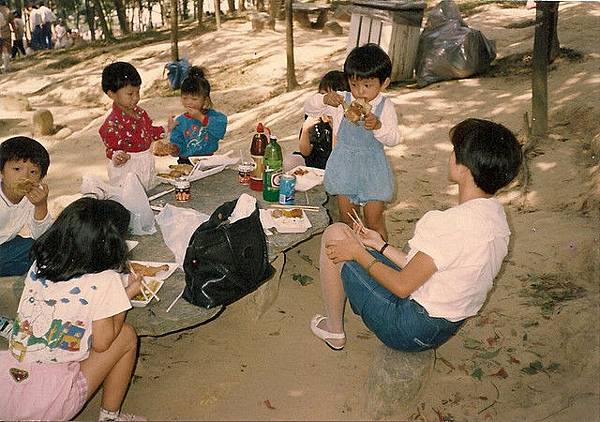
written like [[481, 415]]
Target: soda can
[[287, 188]]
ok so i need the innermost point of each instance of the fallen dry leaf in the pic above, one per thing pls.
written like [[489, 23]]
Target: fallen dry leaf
[[268, 404]]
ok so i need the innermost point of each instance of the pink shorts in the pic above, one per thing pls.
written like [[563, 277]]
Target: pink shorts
[[45, 391]]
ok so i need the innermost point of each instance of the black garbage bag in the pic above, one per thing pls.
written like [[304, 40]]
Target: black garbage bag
[[449, 49]]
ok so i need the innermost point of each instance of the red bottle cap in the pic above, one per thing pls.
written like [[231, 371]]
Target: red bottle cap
[[260, 128]]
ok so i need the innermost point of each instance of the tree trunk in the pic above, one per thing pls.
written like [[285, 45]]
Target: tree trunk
[[100, 11], [218, 13], [539, 79], [184, 9], [121, 16], [89, 17], [231, 7], [149, 6], [274, 8], [292, 83], [141, 12], [200, 13], [242, 5], [174, 28], [163, 12]]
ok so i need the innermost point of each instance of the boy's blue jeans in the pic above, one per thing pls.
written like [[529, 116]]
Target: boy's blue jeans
[[14, 256], [401, 324]]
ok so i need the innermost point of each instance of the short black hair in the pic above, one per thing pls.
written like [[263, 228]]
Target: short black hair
[[489, 150], [368, 61], [26, 149], [87, 237], [195, 83], [335, 80], [118, 75]]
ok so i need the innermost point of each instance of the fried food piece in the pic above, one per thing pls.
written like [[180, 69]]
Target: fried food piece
[[185, 169], [162, 149], [147, 270], [152, 285], [300, 172], [25, 185], [357, 110], [291, 213]]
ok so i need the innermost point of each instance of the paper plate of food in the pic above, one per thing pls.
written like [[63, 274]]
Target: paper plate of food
[[154, 274], [292, 220], [307, 177], [149, 291], [187, 172]]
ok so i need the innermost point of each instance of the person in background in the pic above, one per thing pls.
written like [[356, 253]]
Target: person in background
[[6, 25], [60, 32], [48, 19], [35, 26], [200, 128], [19, 32]]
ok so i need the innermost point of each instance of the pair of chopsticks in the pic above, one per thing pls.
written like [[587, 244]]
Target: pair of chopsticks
[[308, 208], [144, 284], [356, 219]]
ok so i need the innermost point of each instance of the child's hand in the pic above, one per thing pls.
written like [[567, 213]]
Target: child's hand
[[333, 99], [310, 122], [134, 285], [171, 123], [372, 122], [119, 158], [38, 195]]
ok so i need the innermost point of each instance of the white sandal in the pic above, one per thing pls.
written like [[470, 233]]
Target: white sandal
[[325, 335]]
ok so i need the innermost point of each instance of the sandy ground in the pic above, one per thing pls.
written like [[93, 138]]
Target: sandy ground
[[533, 352]]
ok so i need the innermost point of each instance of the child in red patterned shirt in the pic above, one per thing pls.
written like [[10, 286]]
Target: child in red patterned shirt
[[128, 132]]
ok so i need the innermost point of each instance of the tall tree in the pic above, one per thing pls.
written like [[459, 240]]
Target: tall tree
[[292, 83], [218, 13], [200, 13], [100, 11], [242, 5], [174, 34], [89, 17], [231, 6], [121, 16]]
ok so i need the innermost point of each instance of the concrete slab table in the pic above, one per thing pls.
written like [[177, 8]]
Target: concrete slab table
[[207, 194]]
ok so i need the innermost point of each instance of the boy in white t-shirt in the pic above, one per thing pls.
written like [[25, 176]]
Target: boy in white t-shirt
[[23, 201], [417, 300]]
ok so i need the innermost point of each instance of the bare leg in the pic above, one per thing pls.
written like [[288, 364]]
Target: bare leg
[[112, 368], [374, 217], [346, 207], [332, 288]]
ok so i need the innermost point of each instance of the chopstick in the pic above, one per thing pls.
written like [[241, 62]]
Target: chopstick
[[309, 208], [158, 195], [150, 290], [356, 219]]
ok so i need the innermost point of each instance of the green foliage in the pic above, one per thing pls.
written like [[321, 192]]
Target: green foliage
[[303, 279]]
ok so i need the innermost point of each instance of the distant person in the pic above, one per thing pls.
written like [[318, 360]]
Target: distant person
[[6, 25], [24, 163], [128, 131], [19, 32], [60, 33], [48, 19], [417, 300], [200, 128], [70, 336], [36, 27], [357, 170]]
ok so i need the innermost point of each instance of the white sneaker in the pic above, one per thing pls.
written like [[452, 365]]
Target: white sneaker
[[126, 417]]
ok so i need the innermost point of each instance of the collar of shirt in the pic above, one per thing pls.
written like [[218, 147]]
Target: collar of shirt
[[119, 112]]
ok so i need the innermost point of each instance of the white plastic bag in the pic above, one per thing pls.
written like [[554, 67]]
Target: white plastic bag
[[177, 226], [134, 198]]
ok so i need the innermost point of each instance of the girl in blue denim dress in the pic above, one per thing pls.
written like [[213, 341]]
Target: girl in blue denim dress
[[357, 170]]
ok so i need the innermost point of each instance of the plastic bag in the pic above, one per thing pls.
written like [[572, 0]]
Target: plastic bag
[[449, 49], [134, 198], [176, 72], [177, 226]]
